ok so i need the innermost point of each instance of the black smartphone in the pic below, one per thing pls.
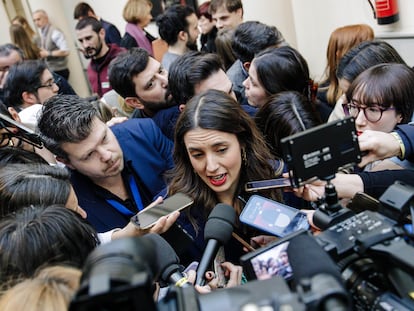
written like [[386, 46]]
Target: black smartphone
[[270, 260], [267, 184], [25, 133], [273, 217], [149, 216]]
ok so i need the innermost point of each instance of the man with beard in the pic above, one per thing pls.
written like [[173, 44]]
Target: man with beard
[[91, 36], [178, 26], [143, 83]]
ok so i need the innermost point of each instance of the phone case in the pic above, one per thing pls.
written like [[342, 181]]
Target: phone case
[[272, 217]]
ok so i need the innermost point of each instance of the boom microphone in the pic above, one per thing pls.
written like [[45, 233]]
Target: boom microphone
[[217, 232], [317, 278], [168, 263]]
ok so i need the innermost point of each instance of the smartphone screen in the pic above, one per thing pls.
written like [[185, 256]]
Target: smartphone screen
[[267, 184], [272, 217], [270, 260], [149, 216], [271, 263]]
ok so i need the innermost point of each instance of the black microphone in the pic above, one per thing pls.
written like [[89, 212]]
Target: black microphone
[[217, 232], [318, 279], [168, 263]]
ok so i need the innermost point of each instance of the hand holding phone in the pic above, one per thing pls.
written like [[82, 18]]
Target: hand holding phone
[[150, 215], [273, 217]]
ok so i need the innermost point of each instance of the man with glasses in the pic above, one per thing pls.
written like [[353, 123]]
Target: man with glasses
[[28, 85], [10, 55]]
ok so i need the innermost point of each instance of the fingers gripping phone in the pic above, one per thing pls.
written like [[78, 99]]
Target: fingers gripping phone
[[149, 216], [273, 217]]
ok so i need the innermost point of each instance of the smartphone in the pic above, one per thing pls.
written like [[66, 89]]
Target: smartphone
[[270, 260], [218, 269], [25, 133], [273, 217], [149, 216], [267, 184]]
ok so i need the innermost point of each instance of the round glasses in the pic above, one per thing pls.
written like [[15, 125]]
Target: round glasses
[[372, 113]]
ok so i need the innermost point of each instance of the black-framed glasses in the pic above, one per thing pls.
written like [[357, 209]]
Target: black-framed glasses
[[372, 113], [49, 84]]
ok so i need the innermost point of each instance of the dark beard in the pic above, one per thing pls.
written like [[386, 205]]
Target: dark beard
[[192, 46], [97, 51]]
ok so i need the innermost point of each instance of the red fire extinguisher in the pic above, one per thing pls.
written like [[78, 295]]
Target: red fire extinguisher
[[385, 11]]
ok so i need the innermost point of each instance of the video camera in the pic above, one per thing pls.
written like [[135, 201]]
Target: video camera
[[370, 251]]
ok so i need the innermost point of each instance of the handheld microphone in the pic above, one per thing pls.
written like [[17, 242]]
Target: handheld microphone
[[218, 230], [318, 280], [168, 263]]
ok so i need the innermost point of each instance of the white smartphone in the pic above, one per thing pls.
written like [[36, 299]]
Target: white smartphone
[[149, 216], [273, 217], [267, 184]]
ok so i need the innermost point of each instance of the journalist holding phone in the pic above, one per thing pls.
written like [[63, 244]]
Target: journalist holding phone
[[217, 150]]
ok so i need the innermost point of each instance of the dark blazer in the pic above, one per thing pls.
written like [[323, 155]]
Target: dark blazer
[[149, 155]]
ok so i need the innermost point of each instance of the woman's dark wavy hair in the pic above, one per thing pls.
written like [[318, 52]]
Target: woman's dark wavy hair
[[39, 236], [282, 69], [285, 114], [386, 85], [216, 110]]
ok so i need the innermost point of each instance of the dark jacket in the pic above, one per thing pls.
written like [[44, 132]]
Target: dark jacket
[[112, 34], [149, 154]]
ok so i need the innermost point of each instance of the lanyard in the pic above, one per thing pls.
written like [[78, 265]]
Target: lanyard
[[137, 198]]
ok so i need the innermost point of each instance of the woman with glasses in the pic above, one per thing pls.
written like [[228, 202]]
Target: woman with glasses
[[355, 61], [380, 98]]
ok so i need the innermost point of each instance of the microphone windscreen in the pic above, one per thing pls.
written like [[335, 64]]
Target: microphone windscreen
[[166, 258], [307, 259], [220, 223]]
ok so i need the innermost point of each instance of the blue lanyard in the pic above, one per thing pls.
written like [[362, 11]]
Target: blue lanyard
[[137, 198]]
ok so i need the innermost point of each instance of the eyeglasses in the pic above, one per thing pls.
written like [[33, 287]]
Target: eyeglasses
[[372, 113], [49, 84]]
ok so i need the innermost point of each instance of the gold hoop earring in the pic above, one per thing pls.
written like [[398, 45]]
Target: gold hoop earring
[[244, 156]]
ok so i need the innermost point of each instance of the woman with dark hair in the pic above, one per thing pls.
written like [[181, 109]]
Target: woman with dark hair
[[285, 114], [40, 236], [41, 184], [275, 70], [35, 184], [355, 61], [379, 99], [217, 150]]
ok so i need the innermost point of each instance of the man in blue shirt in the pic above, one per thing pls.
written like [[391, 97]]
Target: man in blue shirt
[[116, 171]]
